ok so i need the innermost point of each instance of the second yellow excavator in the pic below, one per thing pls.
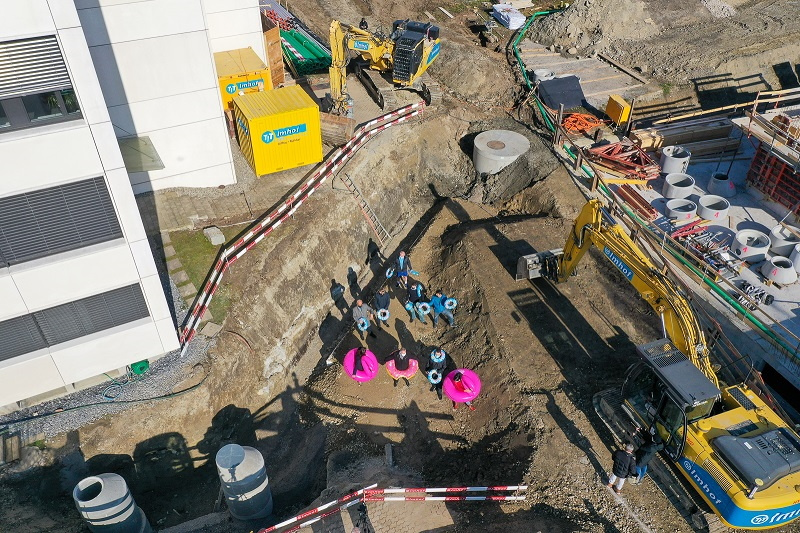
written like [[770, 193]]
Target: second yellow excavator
[[732, 448], [405, 54]]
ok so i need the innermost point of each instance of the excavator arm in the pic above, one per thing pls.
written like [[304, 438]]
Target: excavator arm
[[595, 226], [375, 50]]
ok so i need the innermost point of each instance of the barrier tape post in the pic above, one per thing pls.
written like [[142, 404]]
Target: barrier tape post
[[442, 498], [316, 510], [261, 228], [501, 488]]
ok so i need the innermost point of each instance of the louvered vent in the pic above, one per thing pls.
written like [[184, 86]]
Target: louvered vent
[[72, 320], [31, 66], [56, 219]]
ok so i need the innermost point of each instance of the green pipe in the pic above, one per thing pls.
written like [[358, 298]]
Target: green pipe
[[717, 289], [522, 31], [590, 173]]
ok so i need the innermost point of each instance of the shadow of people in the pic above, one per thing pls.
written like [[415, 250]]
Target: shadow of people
[[405, 337], [337, 295], [352, 281], [374, 255]]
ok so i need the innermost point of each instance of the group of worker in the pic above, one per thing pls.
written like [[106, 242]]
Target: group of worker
[[401, 365], [417, 303], [628, 463]]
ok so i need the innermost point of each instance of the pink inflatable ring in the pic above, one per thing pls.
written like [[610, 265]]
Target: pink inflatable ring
[[413, 366], [369, 362], [469, 388]]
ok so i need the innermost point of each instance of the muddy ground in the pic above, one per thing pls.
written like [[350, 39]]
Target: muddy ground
[[542, 351]]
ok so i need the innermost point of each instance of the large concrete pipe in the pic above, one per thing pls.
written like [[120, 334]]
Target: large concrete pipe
[[496, 149], [674, 159], [244, 481], [681, 209], [106, 504], [712, 207], [783, 240], [678, 185], [795, 257], [721, 185], [750, 245], [780, 270]]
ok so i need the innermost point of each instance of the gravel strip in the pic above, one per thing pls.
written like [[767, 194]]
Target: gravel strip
[[719, 9], [163, 375]]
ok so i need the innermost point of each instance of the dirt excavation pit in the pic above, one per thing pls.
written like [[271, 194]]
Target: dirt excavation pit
[[541, 352]]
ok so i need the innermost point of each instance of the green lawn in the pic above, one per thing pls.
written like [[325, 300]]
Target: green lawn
[[197, 256]]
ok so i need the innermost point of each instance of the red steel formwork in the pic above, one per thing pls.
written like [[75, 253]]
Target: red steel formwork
[[774, 177]]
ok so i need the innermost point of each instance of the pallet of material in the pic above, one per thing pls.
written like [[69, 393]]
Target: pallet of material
[[681, 133], [712, 146]]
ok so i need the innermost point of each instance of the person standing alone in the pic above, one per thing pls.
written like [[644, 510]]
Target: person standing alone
[[624, 466]]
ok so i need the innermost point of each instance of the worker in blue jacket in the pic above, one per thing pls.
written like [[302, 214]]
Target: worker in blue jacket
[[402, 266], [438, 308]]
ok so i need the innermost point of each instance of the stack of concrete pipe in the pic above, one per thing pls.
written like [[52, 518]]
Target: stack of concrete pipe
[[681, 209], [750, 245], [496, 149], [674, 159], [713, 207], [779, 270], [244, 482], [783, 240], [106, 504], [721, 185], [678, 185]]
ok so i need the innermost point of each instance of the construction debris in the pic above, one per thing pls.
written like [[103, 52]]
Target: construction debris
[[682, 133], [626, 159]]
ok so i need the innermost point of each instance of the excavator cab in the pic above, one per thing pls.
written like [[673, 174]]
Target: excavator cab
[[413, 41], [666, 391]]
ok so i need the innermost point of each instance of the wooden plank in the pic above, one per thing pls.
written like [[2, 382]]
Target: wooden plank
[[615, 89], [429, 15], [443, 10], [624, 69], [602, 79], [570, 61]]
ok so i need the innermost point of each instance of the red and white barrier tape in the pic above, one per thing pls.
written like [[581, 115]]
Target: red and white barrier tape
[[441, 498], [291, 48], [263, 227], [324, 516], [315, 510], [501, 488]]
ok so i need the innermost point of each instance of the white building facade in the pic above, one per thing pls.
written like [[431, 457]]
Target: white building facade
[[99, 100], [154, 60]]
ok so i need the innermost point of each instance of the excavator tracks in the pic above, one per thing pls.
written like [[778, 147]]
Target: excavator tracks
[[431, 91], [378, 88], [608, 405]]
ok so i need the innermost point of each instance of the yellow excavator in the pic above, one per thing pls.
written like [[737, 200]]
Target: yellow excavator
[[736, 452], [405, 55]]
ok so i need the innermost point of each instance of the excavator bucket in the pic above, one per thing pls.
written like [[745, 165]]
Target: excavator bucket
[[538, 265]]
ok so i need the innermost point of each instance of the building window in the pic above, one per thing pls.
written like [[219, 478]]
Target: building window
[[62, 323], [57, 219], [42, 106], [35, 87], [4, 123]]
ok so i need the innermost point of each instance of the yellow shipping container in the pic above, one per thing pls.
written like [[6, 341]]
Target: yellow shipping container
[[278, 129], [617, 109], [240, 72]]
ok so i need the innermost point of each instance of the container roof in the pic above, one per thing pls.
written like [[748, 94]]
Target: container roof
[[241, 61], [283, 100]]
